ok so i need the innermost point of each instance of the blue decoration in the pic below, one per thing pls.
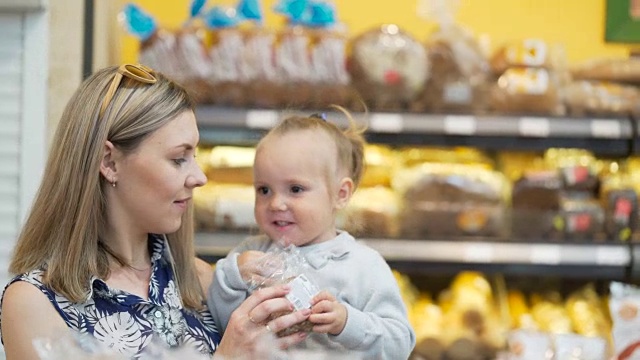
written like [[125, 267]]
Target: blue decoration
[[138, 22], [322, 15], [222, 17], [296, 10], [196, 7], [249, 9]]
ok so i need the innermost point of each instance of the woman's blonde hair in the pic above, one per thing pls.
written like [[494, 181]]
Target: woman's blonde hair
[[63, 228], [349, 142]]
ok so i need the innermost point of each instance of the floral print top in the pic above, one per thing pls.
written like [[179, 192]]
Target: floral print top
[[126, 322]]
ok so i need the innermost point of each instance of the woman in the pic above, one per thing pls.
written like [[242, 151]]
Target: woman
[[107, 248]]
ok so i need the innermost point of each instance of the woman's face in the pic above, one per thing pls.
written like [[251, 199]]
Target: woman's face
[[155, 182]]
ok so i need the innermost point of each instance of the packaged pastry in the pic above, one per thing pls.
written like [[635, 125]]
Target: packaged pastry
[[227, 207], [535, 53], [623, 307], [459, 68], [373, 212], [587, 313], [620, 202], [535, 203], [577, 347], [179, 54], [609, 69], [550, 314], [528, 90], [380, 163], [599, 98], [416, 155], [581, 217], [578, 168], [240, 52], [230, 164], [529, 345], [388, 68], [451, 200]]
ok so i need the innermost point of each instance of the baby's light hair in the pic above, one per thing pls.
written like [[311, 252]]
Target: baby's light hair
[[349, 142]]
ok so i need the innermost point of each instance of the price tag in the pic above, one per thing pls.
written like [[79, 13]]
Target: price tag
[[609, 129], [478, 253], [615, 256], [460, 125], [387, 123], [261, 119], [534, 126], [546, 254]]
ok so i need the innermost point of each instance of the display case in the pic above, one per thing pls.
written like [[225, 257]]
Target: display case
[[587, 259]]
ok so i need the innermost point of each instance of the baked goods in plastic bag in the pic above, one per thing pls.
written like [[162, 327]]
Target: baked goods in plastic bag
[[451, 200], [535, 203], [615, 70], [601, 98], [620, 202], [624, 305], [459, 68], [528, 91], [179, 54], [286, 265], [311, 55], [373, 212], [526, 53], [388, 67]]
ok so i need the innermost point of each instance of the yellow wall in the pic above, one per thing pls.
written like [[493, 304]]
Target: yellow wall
[[578, 24]]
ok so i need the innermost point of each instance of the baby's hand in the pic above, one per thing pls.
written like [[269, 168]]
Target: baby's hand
[[249, 266], [327, 314]]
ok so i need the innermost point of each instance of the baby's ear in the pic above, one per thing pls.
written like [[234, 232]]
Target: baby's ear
[[345, 190]]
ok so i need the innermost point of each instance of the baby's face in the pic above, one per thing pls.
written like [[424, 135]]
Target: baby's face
[[293, 197]]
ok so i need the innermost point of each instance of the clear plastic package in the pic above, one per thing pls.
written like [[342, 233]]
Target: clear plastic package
[[285, 265]]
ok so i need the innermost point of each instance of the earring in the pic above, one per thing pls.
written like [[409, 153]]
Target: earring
[[113, 183]]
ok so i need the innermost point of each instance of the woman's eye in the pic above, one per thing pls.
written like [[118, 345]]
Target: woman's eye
[[180, 161], [263, 190], [296, 189]]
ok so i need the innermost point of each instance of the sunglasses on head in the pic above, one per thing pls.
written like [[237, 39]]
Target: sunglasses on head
[[137, 72]]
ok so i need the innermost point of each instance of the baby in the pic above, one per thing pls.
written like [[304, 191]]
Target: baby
[[305, 171]]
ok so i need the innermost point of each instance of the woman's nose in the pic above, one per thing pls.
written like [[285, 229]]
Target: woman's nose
[[197, 178]]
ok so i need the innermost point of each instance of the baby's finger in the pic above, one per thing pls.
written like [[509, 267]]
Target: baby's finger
[[321, 318], [322, 295], [321, 307], [322, 329]]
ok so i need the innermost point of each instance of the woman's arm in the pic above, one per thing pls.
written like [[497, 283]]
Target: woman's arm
[[27, 314]]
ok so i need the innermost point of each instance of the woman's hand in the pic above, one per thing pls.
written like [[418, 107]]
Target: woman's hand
[[328, 315], [248, 325]]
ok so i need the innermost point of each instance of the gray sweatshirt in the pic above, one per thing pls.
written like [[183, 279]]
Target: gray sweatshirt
[[377, 326]]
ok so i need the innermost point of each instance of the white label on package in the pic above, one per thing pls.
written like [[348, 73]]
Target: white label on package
[[302, 291]]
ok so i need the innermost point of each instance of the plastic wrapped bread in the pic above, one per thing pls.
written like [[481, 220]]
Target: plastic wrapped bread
[[230, 164], [373, 212], [451, 200], [528, 90], [601, 98], [609, 69], [226, 207], [388, 67]]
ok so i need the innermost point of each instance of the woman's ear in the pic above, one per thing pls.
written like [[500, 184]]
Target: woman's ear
[[345, 190], [107, 163]]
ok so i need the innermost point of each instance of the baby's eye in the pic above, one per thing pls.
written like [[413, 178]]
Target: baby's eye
[[262, 190], [296, 189]]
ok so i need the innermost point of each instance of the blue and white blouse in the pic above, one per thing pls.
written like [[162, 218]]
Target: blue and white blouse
[[126, 322]]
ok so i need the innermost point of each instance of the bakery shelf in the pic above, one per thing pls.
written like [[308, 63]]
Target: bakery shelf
[[606, 136], [592, 260]]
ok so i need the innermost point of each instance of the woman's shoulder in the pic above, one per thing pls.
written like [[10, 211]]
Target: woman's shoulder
[[205, 273]]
